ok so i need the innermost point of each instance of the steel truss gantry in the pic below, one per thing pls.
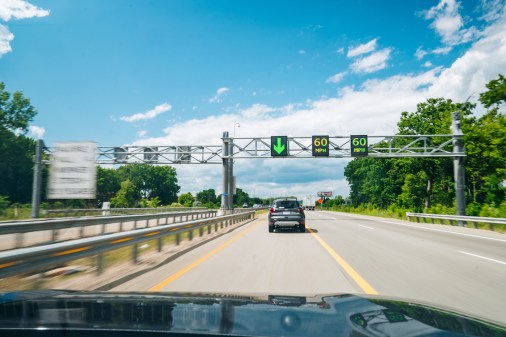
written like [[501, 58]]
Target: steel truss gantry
[[232, 148]]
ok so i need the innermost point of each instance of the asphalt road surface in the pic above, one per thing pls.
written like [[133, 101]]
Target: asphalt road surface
[[458, 268]]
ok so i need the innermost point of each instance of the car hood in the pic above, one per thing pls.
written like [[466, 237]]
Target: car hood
[[235, 315]]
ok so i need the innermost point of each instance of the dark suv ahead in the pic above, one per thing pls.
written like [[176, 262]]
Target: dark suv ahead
[[287, 213]]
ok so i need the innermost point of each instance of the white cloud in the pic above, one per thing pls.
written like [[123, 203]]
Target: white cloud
[[19, 9], [374, 62], [420, 53], [442, 50], [15, 9], [449, 25], [480, 64], [148, 114], [340, 51], [337, 77], [141, 133], [427, 64], [5, 38], [219, 95], [362, 49], [36, 132], [491, 9], [302, 52], [373, 108]]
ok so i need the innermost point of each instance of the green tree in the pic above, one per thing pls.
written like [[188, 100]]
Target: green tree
[[413, 191], [4, 203], [152, 181], [485, 143], [186, 199], [207, 196], [108, 184], [434, 117], [496, 93], [150, 203], [126, 196], [241, 197], [371, 182], [16, 149], [15, 110]]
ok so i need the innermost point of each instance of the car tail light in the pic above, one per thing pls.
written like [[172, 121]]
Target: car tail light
[[271, 210], [300, 210]]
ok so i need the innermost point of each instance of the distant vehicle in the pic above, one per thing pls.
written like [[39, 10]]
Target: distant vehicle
[[309, 203], [245, 205], [256, 206], [287, 213]]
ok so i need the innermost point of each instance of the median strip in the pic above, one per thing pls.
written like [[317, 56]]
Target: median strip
[[366, 287]]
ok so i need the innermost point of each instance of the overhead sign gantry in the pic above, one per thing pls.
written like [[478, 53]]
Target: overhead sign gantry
[[316, 146]]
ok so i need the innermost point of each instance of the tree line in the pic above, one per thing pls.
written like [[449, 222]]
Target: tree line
[[427, 184]]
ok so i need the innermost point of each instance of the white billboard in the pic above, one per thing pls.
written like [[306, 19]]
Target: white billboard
[[73, 172]]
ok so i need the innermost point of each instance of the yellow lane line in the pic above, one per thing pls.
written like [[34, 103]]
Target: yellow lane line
[[194, 264], [366, 287], [151, 234], [71, 251]]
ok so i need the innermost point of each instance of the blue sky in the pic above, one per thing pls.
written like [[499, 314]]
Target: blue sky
[[181, 72]]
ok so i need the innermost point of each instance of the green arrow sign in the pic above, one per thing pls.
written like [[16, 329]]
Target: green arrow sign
[[279, 146]]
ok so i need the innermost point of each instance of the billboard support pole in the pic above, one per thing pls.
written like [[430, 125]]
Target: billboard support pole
[[37, 178]]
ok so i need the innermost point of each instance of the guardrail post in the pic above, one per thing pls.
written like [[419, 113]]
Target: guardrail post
[[54, 236], [81, 232], [160, 244], [135, 253], [103, 228], [178, 238], [201, 231], [100, 263], [121, 226], [491, 226], [475, 224], [190, 234], [135, 224], [208, 229], [19, 240]]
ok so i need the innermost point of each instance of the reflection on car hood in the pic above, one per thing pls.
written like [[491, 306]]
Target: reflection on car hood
[[270, 315]]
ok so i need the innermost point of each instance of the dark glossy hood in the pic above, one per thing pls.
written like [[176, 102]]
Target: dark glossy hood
[[270, 315]]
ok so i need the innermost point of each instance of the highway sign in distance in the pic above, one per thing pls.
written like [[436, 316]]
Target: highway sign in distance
[[279, 146], [320, 146], [324, 194], [359, 145]]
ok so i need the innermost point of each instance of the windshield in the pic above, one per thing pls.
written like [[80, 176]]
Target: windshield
[[294, 149]]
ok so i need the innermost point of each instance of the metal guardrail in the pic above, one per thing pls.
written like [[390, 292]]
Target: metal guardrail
[[34, 258], [112, 211], [21, 227], [457, 219]]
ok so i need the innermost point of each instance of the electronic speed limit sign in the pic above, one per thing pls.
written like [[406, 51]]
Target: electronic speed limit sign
[[359, 146], [320, 146]]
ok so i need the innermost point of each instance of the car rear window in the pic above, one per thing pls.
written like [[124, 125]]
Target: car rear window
[[287, 204]]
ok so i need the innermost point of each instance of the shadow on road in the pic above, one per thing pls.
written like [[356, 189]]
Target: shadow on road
[[292, 231]]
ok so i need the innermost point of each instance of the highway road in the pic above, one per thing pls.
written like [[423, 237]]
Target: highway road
[[459, 268]]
